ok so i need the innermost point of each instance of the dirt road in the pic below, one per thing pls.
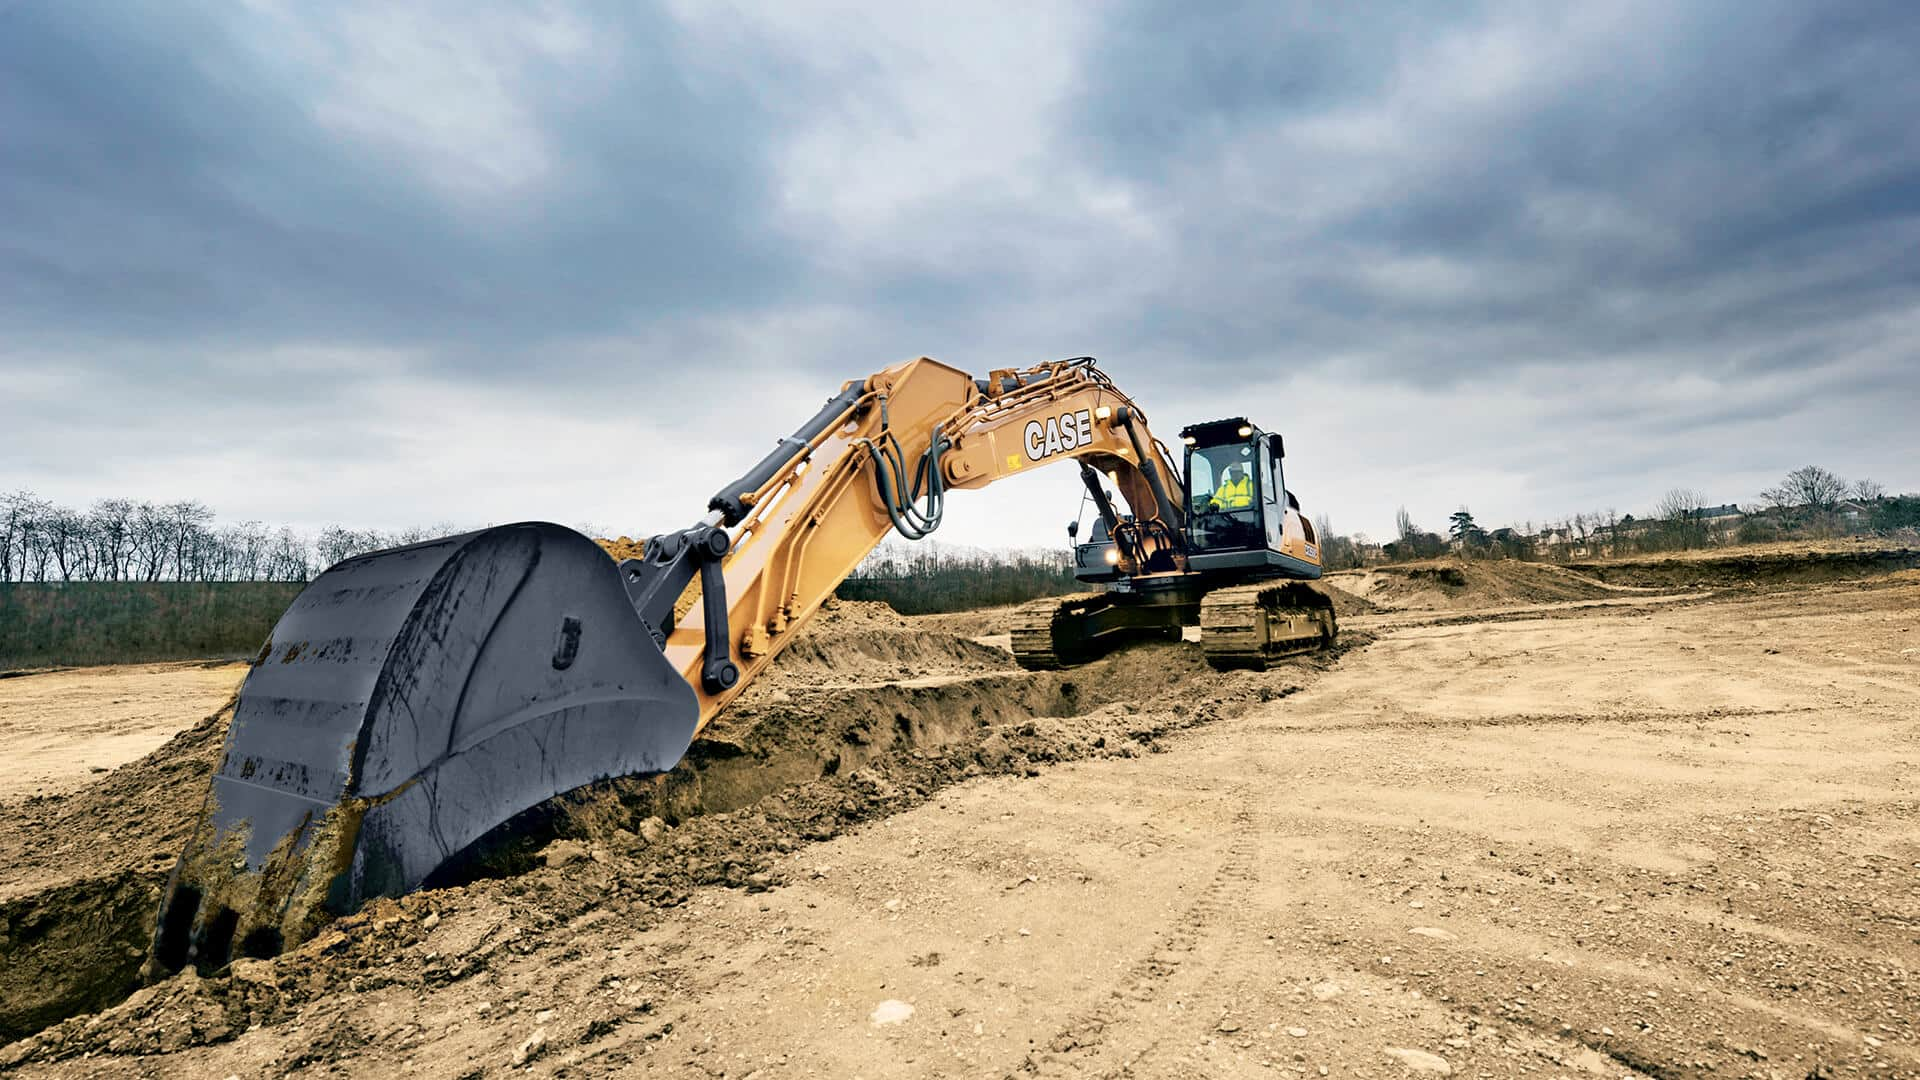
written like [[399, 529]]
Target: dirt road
[[1668, 838]]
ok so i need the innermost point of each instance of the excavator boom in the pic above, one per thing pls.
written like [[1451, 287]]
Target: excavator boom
[[413, 699]]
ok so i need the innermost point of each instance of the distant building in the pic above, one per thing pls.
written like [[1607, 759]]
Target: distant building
[[1554, 538]]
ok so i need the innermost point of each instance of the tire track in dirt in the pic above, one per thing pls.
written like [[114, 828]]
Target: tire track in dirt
[[1110, 1028]]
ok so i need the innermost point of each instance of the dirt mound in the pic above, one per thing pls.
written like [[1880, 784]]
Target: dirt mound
[[621, 548], [851, 642], [1456, 584], [978, 623], [1346, 603], [1759, 569]]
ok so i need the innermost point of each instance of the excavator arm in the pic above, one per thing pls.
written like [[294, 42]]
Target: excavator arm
[[411, 700], [879, 458]]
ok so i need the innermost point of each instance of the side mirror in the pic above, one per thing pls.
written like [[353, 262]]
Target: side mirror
[[1073, 528], [1279, 447]]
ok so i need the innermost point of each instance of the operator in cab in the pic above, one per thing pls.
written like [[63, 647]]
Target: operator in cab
[[1235, 491]]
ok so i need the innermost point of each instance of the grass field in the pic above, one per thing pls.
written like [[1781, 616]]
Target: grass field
[[121, 622]]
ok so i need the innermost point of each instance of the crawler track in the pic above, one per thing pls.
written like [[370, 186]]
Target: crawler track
[[1062, 631], [1046, 632], [1250, 626]]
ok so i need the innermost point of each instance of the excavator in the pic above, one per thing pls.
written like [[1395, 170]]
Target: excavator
[[411, 700]]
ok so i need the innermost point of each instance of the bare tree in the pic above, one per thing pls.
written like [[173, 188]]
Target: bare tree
[[1680, 515], [1810, 487], [1869, 490], [187, 523], [151, 546], [1403, 522], [109, 530], [21, 513]]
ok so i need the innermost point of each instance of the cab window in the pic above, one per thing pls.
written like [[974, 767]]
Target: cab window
[[1227, 489]]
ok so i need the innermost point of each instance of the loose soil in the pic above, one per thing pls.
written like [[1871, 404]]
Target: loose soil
[[1641, 830]]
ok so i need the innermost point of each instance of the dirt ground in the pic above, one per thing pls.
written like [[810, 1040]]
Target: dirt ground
[[1517, 826], [63, 728]]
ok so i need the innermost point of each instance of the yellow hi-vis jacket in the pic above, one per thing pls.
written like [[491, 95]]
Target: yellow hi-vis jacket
[[1234, 495]]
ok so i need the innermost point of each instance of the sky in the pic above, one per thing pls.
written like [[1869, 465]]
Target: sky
[[389, 265]]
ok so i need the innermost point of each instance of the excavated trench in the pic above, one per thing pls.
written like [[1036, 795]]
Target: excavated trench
[[867, 715]]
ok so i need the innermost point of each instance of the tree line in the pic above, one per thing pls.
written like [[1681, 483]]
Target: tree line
[[128, 540], [1811, 502], [124, 540], [928, 576]]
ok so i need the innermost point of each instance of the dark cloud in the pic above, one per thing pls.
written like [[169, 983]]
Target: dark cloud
[[168, 176], [1653, 245]]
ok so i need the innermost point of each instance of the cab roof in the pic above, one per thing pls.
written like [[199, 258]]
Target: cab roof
[[1220, 432]]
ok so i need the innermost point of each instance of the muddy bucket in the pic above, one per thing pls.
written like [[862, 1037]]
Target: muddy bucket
[[408, 702]]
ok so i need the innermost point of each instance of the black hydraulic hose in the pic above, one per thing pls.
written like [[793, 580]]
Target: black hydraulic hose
[[1125, 419], [730, 502], [903, 503], [1090, 476]]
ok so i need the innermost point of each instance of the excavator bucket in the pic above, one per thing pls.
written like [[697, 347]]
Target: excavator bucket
[[408, 702]]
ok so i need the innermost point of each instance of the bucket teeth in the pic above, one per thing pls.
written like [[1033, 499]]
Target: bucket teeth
[[408, 702]]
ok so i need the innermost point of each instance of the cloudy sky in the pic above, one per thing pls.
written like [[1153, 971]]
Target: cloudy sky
[[388, 264]]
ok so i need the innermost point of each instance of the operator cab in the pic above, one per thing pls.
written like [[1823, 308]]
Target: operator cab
[[1237, 498]]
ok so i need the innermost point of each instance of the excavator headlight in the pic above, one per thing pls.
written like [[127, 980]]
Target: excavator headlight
[[1246, 430], [1101, 412], [1113, 556], [1188, 439]]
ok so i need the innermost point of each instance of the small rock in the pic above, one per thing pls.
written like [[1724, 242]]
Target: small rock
[[1589, 1060], [1417, 904], [1433, 932], [1024, 932], [1327, 991], [1227, 1025], [890, 1011], [653, 829], [534, 1045], [562, 852], [258, 972], [994, 750], [432, 920], [543, 1016], [893, 904], [1420, 1060], [1297, 1032]]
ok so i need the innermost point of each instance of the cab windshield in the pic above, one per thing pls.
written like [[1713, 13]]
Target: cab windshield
[[1225, 490]]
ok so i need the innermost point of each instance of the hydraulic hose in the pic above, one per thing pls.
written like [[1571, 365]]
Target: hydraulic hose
[[903, 503]]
